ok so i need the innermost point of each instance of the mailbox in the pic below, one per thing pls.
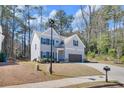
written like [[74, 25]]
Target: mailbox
[[106, 68]]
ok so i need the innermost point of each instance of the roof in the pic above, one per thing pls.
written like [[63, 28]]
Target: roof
[[62, 37], [40, 33]]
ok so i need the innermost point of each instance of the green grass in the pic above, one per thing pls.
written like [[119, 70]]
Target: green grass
[[93, 84], [105, 60]]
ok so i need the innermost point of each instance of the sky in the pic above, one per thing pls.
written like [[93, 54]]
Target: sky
[[50, 11], [69, 9], [73, 10]]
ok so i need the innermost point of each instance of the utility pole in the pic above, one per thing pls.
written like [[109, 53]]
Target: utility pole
[[51, 23]]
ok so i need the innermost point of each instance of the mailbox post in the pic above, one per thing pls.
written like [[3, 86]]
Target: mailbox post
[[106, 68]]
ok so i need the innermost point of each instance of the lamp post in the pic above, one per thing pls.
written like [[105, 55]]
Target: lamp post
[[51, 23]]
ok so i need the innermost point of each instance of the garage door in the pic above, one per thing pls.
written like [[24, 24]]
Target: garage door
[[75, 58]]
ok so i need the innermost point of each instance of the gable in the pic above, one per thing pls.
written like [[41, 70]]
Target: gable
[[69, 41], [34, 37], [48, 32], [79, 40]]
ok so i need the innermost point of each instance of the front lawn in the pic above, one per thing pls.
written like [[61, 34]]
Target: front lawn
[[25, 72], [70, 70]]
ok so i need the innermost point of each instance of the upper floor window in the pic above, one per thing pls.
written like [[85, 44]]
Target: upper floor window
[[75, 42], [57, 41], [35, 46], [46, 41], [43, 41], [62, 42]]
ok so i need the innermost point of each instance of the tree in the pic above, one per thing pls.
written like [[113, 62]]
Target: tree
[[62, 22], [103, 44]]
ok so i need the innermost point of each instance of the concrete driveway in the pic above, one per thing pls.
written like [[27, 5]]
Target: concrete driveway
[[116, 73]]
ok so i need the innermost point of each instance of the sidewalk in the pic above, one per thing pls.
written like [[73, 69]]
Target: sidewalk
[[61, 82]]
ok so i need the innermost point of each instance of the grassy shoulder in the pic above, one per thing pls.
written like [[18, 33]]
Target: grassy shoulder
[[106, 60], [25, 72], [96, 84]]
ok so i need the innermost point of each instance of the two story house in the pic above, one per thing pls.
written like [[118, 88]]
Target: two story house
[[1, 38], [66, 49]]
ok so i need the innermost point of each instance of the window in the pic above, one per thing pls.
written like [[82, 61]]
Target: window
[[41, 54], [35, 46], [47, 54], [44, 54], [46, 41], [62, 42], [53, 54], [52, 42], [75, 42], [57, 41], [43, 41]]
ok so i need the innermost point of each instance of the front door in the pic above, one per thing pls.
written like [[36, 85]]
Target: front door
[[61, 55]]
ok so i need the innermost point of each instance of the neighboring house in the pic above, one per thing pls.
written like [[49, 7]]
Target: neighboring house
[[1, 38], [68, 49]]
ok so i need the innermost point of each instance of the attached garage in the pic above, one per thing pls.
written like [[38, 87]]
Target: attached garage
[[75, 58]]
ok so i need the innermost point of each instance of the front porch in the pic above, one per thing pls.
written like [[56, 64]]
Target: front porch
[[60, 54]]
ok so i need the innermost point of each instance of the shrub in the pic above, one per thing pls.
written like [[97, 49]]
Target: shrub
[[112, 52], [91, 54], [122, 59], [2, 57], [45, 60]]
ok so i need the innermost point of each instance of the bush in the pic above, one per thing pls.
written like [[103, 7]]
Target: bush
[[91, 54], [122, 59], [112, 52], [45, 60], [2, 57]]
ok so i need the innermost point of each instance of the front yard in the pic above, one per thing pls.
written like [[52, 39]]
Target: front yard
[[25, 72]]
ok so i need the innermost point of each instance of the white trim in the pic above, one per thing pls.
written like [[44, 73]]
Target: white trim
[[58, 52], [73, 48], [49, 35]]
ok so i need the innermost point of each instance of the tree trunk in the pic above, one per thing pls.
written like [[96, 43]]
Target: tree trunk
[[13, 32]]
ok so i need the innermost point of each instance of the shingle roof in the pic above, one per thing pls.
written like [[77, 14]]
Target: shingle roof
[[62, 37], [40, 33]]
